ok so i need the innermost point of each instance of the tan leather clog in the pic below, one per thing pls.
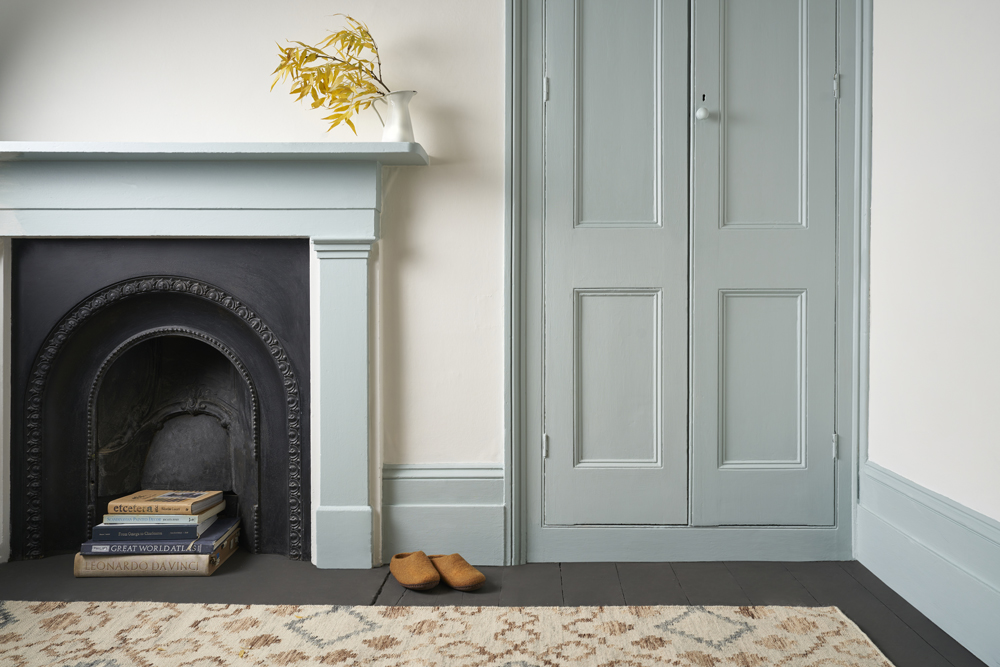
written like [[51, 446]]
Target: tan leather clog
[[414, 570], [457, 573]]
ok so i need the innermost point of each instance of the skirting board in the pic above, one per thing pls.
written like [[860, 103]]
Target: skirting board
[[443, 509], [943, 558]]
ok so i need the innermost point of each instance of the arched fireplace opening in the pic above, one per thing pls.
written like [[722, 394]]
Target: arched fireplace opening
[[175, 409], [160, 381]]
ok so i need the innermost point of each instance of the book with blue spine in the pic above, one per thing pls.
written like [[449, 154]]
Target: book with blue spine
[[117, 532], [216, 534]]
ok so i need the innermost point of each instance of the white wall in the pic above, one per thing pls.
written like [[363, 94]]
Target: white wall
[[935, 247], [190, 70]]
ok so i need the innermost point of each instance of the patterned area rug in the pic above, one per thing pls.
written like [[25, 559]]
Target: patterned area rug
[[123, 634]]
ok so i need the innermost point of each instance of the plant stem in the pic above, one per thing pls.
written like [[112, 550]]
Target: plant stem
[[369, 71], [378, 59]]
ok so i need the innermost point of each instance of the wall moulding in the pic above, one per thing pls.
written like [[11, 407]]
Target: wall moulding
[[328, 192]]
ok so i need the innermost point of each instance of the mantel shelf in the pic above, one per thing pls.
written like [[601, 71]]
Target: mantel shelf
[[385, 153]]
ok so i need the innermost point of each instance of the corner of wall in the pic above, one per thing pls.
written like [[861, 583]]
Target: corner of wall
[[942, 557], [939, 555]]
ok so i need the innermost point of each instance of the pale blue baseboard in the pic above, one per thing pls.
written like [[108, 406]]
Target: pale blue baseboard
[[943, 558], [343, 537], [444, 508]]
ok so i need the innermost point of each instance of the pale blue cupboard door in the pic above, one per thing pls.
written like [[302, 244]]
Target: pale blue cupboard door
[[687, 265], [764, 262], [615, 262]]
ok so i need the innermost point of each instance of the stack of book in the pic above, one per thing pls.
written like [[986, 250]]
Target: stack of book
[[160, 534]]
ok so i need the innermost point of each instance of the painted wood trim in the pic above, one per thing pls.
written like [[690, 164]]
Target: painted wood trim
[[391, 471], [339, 449], [964, 537], [511, 299], [852, 262], [444, 508], [863, 162], [347, 224], [514, 173], [690, 543], [457, 487], [387, 153], [190, 185], [939, 555], [474, 531]]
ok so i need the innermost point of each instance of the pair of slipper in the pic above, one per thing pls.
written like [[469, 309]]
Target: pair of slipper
[[418, 571]]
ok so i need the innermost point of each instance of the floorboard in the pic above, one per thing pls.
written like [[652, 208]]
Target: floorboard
[[591, 585], [532, 585], [709, 584], [833, 586], [439, 596], [955, 653], [391, 592], [489, 594], [650, 584], [767, 583]]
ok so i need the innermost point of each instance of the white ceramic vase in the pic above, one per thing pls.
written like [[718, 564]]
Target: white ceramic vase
[[397, 125]]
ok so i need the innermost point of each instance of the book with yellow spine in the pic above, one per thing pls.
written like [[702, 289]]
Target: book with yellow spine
[[165, 502]]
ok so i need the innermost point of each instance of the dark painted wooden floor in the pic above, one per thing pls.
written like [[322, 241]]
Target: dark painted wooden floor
[[907, 637]]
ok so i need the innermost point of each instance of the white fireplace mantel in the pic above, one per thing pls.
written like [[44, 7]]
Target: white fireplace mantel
[[327, 192]]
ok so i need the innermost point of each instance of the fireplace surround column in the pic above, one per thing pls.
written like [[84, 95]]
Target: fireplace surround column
[[329, 193], [342, 513]]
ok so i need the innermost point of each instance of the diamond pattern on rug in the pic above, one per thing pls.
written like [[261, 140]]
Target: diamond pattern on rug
[[691, 624], [311, 627]]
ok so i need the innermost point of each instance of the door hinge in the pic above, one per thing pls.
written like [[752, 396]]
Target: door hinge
[[545, 89], [836, 86], [545, 445], [835, 441]]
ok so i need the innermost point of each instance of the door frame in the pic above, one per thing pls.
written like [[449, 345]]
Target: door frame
[[523, 204]]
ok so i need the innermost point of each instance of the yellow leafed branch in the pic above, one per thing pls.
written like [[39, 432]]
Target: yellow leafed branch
[[346, 78]]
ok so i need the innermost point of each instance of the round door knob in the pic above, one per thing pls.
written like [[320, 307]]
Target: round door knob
[[702, 113]]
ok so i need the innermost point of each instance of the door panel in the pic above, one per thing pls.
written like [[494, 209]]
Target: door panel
[[760, 346], [764, 233], [762, 154], [617, 341], [616, 164], [615, 246]]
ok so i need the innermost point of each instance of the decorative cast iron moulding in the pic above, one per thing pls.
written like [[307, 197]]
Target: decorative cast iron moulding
[[114, 294]]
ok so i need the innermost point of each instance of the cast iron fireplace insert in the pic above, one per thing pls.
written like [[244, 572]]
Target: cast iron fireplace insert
[[159, 363]]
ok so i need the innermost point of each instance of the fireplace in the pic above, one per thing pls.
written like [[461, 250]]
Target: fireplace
[[174, 408], [164, 381], [141, 350]]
